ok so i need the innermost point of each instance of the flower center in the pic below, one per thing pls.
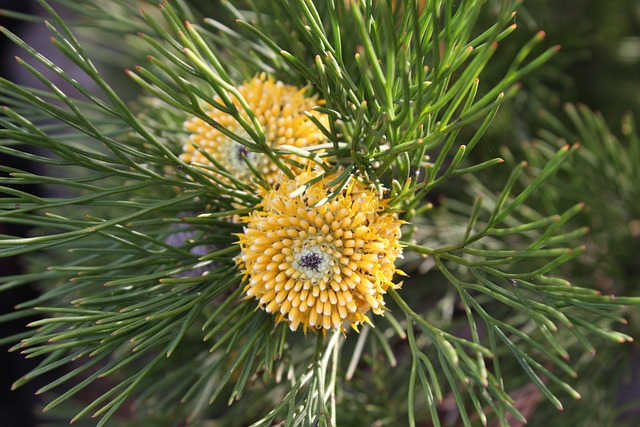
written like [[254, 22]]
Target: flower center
[[235, 153], [241, 151], [312, 262]]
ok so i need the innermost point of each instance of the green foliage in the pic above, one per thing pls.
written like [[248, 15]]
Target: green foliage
[[134, 309]]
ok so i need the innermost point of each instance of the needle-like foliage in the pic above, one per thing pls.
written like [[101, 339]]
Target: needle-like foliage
[[145, 292]]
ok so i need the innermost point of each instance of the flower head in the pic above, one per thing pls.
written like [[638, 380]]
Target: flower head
[[320, 266], [280, 110]]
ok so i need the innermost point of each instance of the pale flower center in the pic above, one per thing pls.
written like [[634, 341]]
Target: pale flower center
[[235, 153], [312, 262]]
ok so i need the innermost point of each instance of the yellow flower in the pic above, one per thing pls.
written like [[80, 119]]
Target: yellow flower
[[320, 266], [279, 108]]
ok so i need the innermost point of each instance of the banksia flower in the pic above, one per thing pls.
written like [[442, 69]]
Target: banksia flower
[[280, 110], [141, 261], [320, 266]]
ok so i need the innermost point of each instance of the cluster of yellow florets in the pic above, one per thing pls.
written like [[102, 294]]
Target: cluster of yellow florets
[[280, 110], [322, 266], [317, 266]]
